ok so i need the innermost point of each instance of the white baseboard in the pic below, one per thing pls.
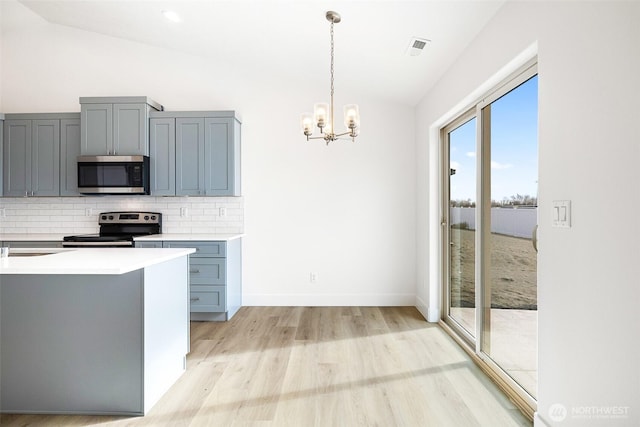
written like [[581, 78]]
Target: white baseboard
[[539, 422], [422, 308], [328, 300], [431, 315]]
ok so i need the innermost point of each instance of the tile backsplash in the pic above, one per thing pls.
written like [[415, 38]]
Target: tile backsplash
[[79, 215]]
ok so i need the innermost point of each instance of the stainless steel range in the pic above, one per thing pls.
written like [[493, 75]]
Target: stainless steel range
[[117, 229]]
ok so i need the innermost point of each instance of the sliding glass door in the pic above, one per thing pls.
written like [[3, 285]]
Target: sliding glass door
[[461, 245], [489, 222]]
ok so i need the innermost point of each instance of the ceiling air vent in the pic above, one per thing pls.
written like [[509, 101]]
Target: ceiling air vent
[[416, 45]]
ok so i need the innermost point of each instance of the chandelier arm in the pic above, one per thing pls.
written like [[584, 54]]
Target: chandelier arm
[[315, 137], [342, 134]]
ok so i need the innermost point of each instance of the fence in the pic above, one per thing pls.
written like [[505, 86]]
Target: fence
[[518, 222]]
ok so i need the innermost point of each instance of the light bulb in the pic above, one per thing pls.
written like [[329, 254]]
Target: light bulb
[[320, 112], [351, 116], [306, 120]]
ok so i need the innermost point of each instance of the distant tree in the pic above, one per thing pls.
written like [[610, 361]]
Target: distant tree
[[462, 203], [507, 202], [517, 200]]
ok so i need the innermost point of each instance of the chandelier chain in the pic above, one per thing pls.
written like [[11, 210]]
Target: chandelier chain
[[332, 124]]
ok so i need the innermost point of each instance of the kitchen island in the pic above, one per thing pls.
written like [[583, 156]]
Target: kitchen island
[[92, 331]]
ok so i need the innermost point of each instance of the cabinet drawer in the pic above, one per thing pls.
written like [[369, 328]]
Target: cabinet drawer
[[148, 244], [207, 271], [203, 249], [213, 299]]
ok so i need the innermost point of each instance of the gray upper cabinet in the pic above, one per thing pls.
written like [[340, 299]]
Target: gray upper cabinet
[[115, 125], [190, 162], [16, 170], [207, 153], [31, 164], [162, 153], [1, 149], [69, 152], [222, 157]]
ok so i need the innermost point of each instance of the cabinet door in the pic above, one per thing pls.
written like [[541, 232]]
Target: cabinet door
[[45, 158], [130, 130], [97, 129], [219, 157], [1, 153], [69, 152], [17, 158], [189, 157], [162, 153]]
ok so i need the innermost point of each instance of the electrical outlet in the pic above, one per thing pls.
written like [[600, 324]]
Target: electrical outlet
[[223, 212], [184, 212], [88, 212], [313, 277], [3, 213]]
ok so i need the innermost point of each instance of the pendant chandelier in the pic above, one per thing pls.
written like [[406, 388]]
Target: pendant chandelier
[[323, 113]]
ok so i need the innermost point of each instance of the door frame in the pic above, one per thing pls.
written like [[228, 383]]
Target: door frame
[[481, 111], [446, 222]]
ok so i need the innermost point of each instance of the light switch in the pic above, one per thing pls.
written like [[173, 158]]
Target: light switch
[[562, 213]]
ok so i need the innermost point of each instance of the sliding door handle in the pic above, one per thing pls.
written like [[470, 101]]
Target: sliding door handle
[[534, 238]]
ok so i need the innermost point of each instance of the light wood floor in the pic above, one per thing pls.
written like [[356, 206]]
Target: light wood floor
[[320, 366]]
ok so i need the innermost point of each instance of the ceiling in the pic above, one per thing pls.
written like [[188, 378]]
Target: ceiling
[[290, 39]]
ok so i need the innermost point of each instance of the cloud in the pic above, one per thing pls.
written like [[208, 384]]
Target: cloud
[[496, 165], [454, 165], [471, 153]]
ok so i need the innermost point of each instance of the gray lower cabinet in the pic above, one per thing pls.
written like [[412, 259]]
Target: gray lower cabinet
[[148, 244], [197, 153], [215, 274], [115, 125], [32, 244]]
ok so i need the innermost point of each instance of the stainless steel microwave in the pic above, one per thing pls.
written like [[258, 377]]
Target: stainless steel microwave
[[113, 174]]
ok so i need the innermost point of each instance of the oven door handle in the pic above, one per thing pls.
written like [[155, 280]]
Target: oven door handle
[[95, 244]]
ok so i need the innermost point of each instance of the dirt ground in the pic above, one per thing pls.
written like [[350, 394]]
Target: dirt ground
[[513, 271]]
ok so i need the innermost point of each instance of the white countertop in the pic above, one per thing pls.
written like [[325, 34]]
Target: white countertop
[[206, 237], [173, 237], [87, 261]]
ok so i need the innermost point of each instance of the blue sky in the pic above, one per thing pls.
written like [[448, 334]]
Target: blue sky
[[514, 147]]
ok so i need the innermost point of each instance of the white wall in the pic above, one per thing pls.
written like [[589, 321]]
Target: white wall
[[589, 292], [345, 212]]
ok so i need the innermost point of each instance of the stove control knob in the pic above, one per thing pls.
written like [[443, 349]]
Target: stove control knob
[[153, 217], [110, 216], [146, 217], [103, 217]]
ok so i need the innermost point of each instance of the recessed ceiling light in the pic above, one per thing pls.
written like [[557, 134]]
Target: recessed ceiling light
[[171, 16]]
